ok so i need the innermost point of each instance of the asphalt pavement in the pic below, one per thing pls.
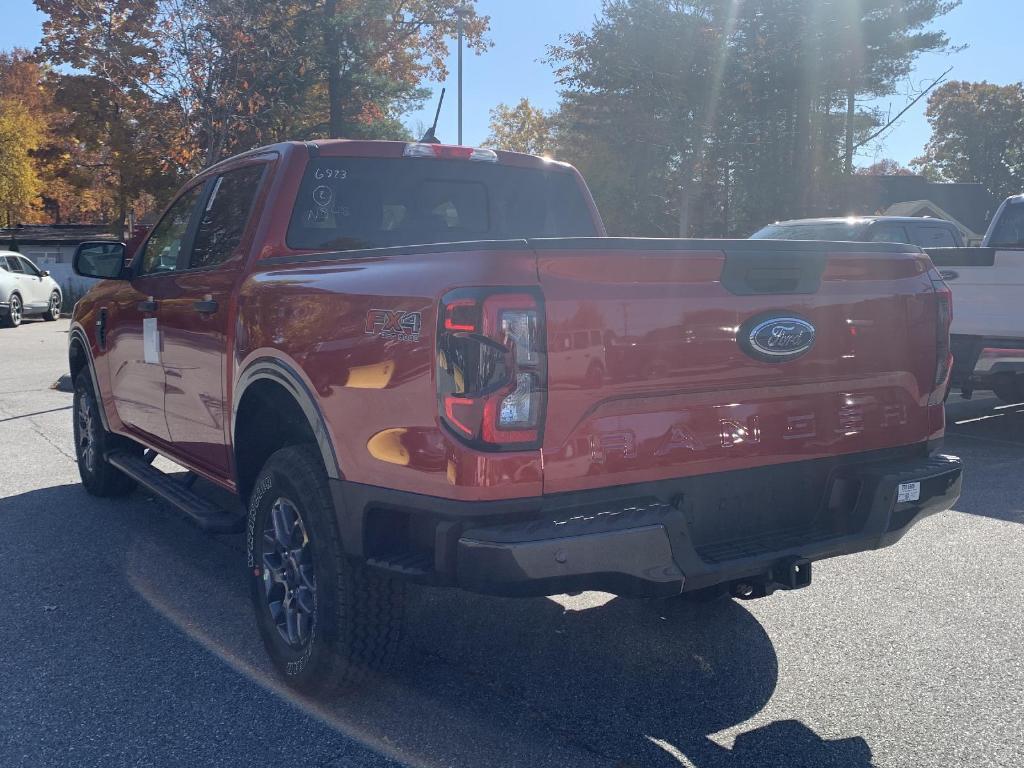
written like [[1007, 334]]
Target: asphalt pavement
[[126, 638]]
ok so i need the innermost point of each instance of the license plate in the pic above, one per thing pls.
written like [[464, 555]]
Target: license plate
[[908, 492]]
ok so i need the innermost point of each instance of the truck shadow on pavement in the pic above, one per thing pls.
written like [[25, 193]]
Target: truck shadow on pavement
[[989, 436], [590, 681]]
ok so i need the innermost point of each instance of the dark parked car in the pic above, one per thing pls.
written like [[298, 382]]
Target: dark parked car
[[914, 230]]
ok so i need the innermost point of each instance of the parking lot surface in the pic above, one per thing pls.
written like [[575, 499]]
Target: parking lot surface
[[126, 638]]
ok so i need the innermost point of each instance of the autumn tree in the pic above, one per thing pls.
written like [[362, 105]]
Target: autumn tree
[[241, 73], [377, 53], [69, 189], [522, 128], [20, 134], [977, 136], [112, 48]]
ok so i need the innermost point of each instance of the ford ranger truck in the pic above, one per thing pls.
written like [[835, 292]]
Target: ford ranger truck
[[421, 362], [988, 326]]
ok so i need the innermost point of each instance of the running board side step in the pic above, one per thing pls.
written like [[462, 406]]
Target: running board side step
[[206, 515]]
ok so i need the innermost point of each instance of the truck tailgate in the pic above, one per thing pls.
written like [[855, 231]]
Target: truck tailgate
[[653, 374], [986, 285]]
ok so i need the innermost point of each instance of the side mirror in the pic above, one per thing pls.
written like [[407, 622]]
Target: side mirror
[[102, 259], [45, 273]]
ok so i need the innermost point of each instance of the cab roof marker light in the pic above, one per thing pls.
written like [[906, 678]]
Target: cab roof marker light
[[450, 152]]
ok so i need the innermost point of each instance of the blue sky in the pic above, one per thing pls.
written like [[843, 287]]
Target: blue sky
[[522, 29]]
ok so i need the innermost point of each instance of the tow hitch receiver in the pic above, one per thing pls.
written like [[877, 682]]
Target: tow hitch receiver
[[794, 573]]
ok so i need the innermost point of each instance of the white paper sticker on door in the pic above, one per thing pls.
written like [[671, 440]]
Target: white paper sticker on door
[[151, 340]]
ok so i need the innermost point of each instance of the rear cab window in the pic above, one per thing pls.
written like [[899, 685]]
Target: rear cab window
[[350, 203], [824, 230]]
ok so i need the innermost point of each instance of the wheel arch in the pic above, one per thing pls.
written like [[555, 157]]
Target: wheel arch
[[79, 359], [297, 418]]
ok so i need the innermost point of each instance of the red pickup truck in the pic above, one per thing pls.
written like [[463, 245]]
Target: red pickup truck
[[428, 362]]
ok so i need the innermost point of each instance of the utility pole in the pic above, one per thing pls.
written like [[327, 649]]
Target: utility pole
[[461, 12]]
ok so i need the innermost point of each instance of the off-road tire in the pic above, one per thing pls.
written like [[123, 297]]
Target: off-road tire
[[93, 442], [357, 612]]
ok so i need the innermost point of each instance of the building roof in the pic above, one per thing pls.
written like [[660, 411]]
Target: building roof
[[928, 208], [54, 234], [970, 204]]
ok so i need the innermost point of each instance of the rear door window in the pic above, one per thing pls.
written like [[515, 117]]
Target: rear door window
[[226, 215], [15, 265], [358, 202]]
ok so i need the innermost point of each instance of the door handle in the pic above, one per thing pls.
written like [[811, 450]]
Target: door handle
[[147, 306], [206, 307]]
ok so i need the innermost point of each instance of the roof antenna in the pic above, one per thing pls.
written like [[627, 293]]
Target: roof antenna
[[429, 137]]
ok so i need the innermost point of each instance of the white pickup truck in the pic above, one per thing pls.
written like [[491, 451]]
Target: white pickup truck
[[988, 306]]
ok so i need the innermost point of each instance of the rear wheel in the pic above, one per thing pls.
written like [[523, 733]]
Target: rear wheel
[[326, 621], [1008, 387], [93, 442], [53, 311], [14, 311]]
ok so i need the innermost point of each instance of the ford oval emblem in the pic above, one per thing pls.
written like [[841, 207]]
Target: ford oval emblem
[[778, 338]]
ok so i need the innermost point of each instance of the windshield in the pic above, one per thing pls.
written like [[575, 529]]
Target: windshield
[[351, 203], [819, 230]]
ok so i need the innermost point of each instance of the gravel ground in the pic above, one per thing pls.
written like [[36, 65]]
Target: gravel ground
[[126, 638]]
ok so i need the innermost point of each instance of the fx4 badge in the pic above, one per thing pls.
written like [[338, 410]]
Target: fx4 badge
[[394, 324]]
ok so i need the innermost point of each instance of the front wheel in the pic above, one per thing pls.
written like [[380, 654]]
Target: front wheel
[[14, 311], [325, 620], [93, 442], [53, 311]]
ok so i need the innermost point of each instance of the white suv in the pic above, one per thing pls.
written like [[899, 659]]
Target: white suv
[[26, 290]]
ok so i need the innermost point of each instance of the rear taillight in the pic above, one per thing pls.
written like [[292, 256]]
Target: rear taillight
[[943, 321], [492, 367]]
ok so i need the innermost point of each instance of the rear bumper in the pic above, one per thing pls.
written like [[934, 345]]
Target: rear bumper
[[644, 546]]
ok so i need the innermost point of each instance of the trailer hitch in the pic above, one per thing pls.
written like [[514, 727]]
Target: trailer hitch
[[791, 573]]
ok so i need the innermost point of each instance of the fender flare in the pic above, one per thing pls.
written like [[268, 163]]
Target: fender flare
[[77, 334], [280, 372]]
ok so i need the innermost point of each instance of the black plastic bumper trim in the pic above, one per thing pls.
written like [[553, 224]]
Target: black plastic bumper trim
[[632, 540]]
